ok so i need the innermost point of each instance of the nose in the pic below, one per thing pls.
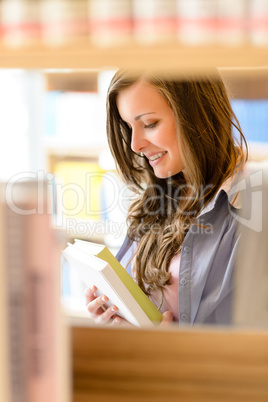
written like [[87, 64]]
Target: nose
[[138, 140]]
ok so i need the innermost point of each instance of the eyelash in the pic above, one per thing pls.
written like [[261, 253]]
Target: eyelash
[[150, 125], [147, 126]]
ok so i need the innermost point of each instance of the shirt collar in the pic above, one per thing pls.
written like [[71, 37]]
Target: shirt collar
[[230, 188]]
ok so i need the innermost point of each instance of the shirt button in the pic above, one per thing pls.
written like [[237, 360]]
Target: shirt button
[[186, 249], [183, 281], [184, 317]]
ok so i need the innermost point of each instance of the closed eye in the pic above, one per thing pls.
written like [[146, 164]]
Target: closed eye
[[151, 125]]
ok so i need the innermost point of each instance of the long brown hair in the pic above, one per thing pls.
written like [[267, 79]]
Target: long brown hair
[[212, 148]]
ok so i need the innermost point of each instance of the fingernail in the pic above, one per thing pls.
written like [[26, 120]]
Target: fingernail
[[104, 298], [114, 309]]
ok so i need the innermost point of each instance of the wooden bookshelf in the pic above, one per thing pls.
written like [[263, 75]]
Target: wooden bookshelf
[[174, 57], [128, 365]]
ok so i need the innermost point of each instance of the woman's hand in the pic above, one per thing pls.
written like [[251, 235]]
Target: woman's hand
[[95, 307], [167, 318]]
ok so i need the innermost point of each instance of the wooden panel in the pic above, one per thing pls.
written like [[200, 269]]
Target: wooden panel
[[246, 83], [115, 364], [174, 57], [79, 81]]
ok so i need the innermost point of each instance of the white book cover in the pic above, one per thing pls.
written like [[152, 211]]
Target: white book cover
[[115, 282]]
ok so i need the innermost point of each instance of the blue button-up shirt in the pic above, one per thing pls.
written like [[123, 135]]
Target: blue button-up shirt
[[206, 265]]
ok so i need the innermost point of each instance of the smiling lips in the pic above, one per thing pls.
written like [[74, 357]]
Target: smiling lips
[[157, 156]]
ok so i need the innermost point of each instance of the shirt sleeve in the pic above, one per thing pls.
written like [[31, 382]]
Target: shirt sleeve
[[125, 254]]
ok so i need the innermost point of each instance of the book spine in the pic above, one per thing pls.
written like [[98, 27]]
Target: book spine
[[63, 21], [251, 270], [43, 324], [110, 21], [35, 321], [20, 23], [258, 22], [197, 22], [154, 20], [5, 389], [232, 22], [41, 303], [16, 304]]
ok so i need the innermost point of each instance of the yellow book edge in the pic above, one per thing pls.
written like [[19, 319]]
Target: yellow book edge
[[142, 299]]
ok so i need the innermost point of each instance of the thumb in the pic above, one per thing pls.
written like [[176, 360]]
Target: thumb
[[167, 318]]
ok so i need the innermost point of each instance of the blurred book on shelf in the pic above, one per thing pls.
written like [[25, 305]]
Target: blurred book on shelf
[[197, 22], [251, 272], [154, 20], [63, 21], [79, 190], [35, 363], [92, 201], [20, 22], [120, 22], [109, 21], [258, 22], [232, 22]]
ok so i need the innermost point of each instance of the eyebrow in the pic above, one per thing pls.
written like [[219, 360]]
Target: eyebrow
[[143, 114]]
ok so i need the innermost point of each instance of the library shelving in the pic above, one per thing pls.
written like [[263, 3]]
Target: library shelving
[[189, 365], [174, 57], [125, 364]]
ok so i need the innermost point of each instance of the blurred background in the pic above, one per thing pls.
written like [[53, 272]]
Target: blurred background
[[57, 58]]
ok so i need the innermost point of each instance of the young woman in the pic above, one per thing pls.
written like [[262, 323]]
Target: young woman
[[178, 144]]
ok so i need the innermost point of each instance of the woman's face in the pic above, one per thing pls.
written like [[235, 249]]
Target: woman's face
[[153, 127]]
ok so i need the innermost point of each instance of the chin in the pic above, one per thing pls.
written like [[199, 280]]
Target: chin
[[165, 174], [162, 175]]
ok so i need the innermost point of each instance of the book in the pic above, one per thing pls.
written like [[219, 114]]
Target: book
[[154, 21], [20, 24], [32, 327], [251, 269], [197, 22], [258, 22], [109, 21], [96, 265], [63, 21], [5, 391]]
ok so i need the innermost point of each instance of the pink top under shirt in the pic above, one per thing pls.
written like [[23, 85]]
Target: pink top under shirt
[[170, 292]]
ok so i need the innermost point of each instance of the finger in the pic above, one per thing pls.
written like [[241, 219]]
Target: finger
[[116, 320], [96, 306], [89, 294], [106, 316], [167, 318]]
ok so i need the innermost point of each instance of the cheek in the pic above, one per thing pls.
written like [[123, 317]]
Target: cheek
[[174, 144]]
